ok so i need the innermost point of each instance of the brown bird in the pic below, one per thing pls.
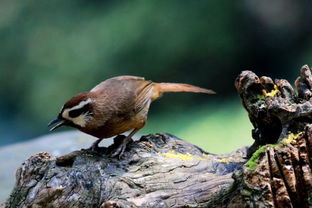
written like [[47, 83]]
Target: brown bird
[[114, 106]]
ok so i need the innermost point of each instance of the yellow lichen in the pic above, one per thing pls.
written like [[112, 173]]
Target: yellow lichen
[[206, 155], [272, 93], [291, 137], [174, 155], [224, 160]]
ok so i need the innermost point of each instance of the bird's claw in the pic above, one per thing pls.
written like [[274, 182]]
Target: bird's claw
[[94, 148], [92, 151], [119, 151]]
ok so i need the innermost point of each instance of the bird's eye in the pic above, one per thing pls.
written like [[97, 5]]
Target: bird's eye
[[77, 112], [74, 113]]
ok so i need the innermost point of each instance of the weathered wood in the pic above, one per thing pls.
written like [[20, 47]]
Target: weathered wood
[[157, 171], [279, 175], [274, 108], [281, 178], [163, 171]]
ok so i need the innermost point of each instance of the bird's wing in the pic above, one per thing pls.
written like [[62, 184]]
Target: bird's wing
[[134, 94], [108, 82], [124, 95], [128, 77], [143, 98]]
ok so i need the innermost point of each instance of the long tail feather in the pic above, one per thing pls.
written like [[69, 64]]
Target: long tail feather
[[161, 88]]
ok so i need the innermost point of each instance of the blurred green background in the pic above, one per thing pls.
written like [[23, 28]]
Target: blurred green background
[[51, 50]]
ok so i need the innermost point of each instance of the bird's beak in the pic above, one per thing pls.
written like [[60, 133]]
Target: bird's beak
[[58, 121]]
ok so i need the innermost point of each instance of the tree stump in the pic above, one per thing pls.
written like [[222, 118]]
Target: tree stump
[[163, 171]]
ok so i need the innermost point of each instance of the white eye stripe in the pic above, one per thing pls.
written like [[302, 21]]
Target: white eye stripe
[[81, 104], [82, 119]]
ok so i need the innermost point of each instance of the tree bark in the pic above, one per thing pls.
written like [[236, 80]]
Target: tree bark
[[163, 171]]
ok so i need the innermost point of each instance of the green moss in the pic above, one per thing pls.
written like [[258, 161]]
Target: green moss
[[253, 161], [260, 97], [310, 196]]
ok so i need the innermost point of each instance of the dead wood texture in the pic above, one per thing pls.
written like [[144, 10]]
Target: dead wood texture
[[158, 171], [163, 171]]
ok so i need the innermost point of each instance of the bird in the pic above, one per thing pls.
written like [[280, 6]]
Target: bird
[[115, 106]]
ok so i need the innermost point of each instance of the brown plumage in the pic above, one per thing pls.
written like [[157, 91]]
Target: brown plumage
[[116, 105]]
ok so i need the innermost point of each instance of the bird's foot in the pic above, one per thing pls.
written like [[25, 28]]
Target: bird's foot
[[95, 145], [95, 149], [119, 151]]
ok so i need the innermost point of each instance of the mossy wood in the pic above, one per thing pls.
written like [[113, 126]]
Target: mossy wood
[[163, 171]]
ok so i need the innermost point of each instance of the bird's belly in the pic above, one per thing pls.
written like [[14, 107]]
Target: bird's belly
[[113, 128], [116, 129]]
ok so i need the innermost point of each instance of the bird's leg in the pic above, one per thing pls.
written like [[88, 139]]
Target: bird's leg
[[121, 148], [95, 145]]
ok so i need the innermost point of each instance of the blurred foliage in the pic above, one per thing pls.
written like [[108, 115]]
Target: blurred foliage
[[51, 50], [216, 127]]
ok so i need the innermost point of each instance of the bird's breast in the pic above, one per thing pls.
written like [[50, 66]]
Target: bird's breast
[[115, 126]]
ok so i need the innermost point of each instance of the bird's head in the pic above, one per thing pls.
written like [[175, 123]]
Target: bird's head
[[76, 112]]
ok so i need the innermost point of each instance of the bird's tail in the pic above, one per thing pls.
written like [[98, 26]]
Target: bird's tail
[[160, 88]]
